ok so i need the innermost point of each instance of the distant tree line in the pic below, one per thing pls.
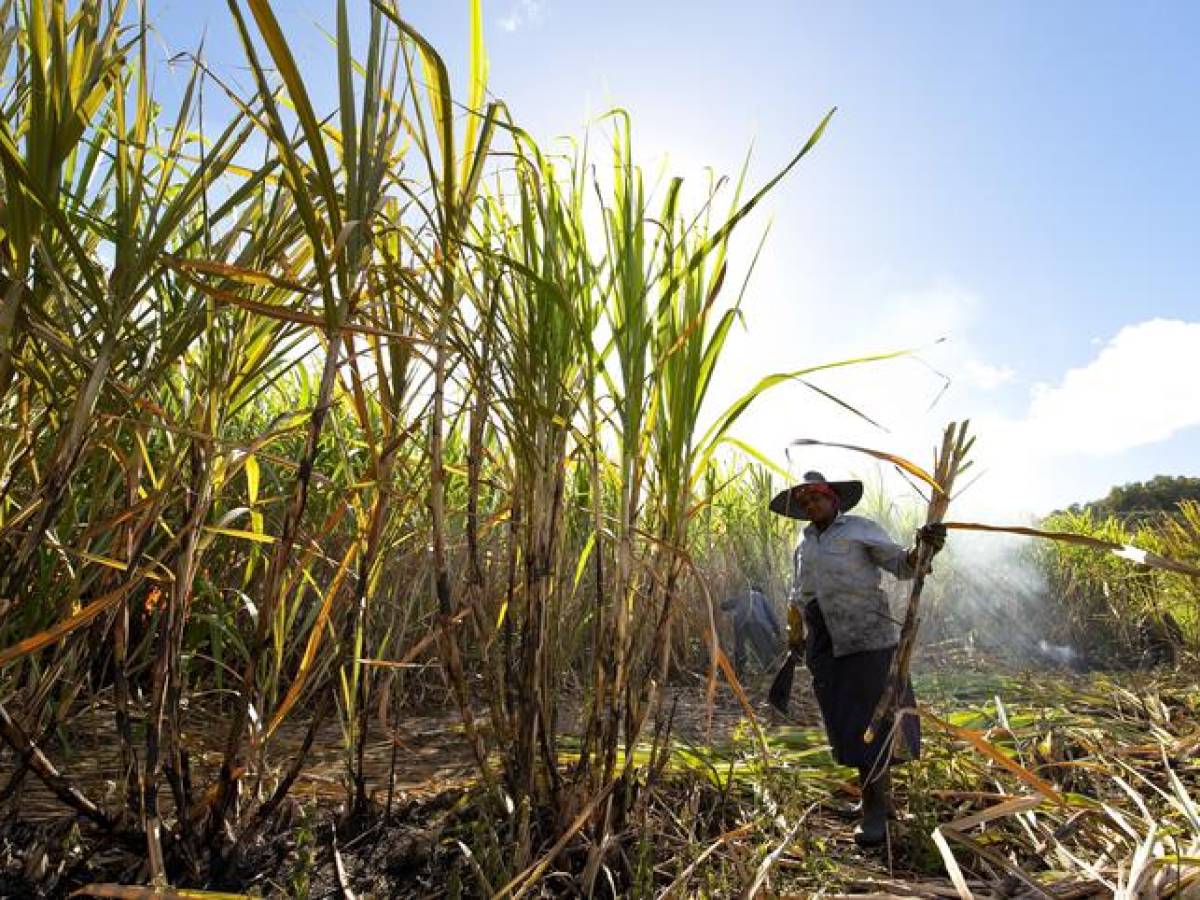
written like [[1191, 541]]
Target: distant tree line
[[1139, 499]]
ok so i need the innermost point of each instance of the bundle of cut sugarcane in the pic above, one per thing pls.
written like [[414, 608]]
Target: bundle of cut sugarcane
[[951, 462]]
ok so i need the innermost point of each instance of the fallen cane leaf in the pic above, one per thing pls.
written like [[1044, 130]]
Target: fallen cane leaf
[[137, 892], [994, 753]]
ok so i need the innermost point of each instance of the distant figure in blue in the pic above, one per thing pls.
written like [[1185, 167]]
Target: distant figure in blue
[[755, 626]]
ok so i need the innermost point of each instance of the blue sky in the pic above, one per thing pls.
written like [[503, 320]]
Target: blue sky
[[1018, 177]]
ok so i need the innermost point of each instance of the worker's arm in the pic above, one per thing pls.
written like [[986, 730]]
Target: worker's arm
[[884, 552], [933, 534], [892, 557]]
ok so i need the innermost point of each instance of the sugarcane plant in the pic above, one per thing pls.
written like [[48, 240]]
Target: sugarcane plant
[[290, 403]]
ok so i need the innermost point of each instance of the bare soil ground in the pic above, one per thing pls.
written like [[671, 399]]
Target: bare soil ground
[[46, 851]]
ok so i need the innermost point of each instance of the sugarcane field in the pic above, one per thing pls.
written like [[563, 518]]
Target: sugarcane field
[[529, 449]]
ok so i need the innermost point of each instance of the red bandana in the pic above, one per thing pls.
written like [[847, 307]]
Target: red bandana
[[819, 487]]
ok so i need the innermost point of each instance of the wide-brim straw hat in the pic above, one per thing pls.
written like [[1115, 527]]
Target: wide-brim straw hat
[[786, 502]]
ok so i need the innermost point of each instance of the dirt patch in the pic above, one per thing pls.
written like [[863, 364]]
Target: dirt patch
[[426, 769]]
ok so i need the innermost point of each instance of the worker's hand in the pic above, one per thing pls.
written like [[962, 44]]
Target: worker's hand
[[795, 627], [933, 534]]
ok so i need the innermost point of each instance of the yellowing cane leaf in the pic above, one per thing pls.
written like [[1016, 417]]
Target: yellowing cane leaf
[[66, 626], [725, 421], [285, 63], [252, 474], [477, 88], [437, 86], [239, 274], [314, 641], [751, 451], [137, 892], [21, 517], [255, 536], [287, 314], [105, 561], [898, 461], [998, 811]]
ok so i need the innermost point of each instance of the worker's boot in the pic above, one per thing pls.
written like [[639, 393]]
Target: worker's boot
[[876, 799]]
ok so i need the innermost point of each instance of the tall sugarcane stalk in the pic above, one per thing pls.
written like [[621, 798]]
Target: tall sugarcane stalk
[[337, 257], [951, 461], [455, 182]]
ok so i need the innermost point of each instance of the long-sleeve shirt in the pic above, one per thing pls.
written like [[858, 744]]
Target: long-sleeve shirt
[[752, 608], [839, 568], [754, 624]]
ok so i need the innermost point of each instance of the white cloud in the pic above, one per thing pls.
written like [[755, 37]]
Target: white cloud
[[1140, 389], [523, 12], [986, 376], [1137, 391]]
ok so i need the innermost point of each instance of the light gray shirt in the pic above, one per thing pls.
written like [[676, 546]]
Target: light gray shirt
[[840, 569]]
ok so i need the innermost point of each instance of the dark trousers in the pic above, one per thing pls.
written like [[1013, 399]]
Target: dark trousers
[[848, 689], [755, 639]]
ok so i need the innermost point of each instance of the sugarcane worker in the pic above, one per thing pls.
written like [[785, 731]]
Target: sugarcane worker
[[755, 627], [851, 634]]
